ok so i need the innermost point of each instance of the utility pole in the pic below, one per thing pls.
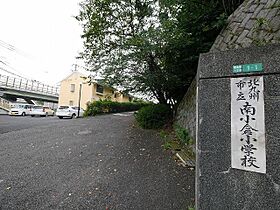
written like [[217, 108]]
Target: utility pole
[[79, 103], [75, 67]]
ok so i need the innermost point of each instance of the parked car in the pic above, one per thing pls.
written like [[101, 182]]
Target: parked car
[[69, 111], [20, 109], [42, 111]]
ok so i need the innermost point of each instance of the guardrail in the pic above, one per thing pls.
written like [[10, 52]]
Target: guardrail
[[4, 104], [29, 85]]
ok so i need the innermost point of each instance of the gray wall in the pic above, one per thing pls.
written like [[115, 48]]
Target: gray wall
[[219, 186], [186, 112]]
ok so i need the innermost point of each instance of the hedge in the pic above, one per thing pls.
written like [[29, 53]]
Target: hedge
[[153, 116], [107, 106]]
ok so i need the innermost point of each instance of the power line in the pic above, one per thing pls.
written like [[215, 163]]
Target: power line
[[12, 48], [7, 71], [7, 46], [6, 64]]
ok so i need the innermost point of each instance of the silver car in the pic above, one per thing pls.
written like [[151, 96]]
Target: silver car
[[69, 112], [41, 111], [20, 109]]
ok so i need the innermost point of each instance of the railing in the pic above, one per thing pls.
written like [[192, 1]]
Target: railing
[[29, 85], [4, 104]]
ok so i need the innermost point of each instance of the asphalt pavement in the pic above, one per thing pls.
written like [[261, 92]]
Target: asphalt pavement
[[103, 163]]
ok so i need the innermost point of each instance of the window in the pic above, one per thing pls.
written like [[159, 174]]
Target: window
[[63, 107], [27, 107], [72, 88], [116, 95], [99, 89], [71, 103], [37, 107]]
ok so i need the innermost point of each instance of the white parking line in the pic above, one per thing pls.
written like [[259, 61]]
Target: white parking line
[[124, 115]]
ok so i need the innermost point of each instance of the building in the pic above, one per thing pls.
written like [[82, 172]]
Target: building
[[76, 88]]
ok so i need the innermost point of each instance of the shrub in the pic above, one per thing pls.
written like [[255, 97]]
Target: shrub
[[153, 116], [107, 106], [183, 135]]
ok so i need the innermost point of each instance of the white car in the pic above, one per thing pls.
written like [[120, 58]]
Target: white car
[[41, 111], [20, 109], [69, 111]]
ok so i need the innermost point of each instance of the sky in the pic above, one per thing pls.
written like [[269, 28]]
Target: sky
[[45, 37]]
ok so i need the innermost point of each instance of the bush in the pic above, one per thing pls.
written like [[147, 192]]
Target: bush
[[183, 135], [107, 106], [153, 116]]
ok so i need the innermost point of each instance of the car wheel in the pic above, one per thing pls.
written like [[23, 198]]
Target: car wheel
[[46, 114], [32, 115], [60, 117], [73, 116], [23, 114]]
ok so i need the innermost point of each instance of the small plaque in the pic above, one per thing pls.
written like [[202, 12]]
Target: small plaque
[[248, 68]]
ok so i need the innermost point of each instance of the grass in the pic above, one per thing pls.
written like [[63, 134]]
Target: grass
[[178, 140]]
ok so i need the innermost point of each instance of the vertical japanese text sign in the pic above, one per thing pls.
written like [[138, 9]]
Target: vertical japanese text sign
[[247, 124]]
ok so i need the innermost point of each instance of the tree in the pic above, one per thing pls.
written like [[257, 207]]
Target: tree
[[149, 46]]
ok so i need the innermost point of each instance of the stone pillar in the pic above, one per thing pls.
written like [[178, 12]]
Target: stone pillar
[[219, 186]]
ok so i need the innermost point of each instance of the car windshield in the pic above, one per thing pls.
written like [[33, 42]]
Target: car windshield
[[21, 106], [63, 107], [37, 107], [77, 108]]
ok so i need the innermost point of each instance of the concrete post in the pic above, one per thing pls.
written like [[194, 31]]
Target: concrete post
[[225, 180]]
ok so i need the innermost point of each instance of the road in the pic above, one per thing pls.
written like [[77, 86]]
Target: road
[[103, 162]]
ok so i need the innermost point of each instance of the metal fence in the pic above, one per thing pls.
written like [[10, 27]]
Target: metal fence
[[28, 85], [4, 104]]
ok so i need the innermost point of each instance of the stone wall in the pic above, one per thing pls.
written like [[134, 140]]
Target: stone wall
[[186, 113], [255, 22]]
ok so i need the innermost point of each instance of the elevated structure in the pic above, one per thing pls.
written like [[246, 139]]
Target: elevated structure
[[12, 88], [4, 106]]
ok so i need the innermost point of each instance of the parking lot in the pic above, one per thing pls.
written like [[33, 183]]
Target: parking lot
[[103, 162], [13, 123]]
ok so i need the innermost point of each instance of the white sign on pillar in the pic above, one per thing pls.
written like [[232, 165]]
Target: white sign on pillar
[[247, 124]]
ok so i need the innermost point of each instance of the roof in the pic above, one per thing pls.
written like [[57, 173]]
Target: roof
[[72, 74], [94, 81]]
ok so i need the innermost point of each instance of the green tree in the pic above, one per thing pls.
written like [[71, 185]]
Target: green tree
[[149, 46]]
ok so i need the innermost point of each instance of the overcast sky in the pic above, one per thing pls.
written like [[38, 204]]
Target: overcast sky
[[45, 35]]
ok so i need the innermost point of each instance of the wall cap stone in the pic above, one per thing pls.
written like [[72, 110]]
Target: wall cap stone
[[220, 64]]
